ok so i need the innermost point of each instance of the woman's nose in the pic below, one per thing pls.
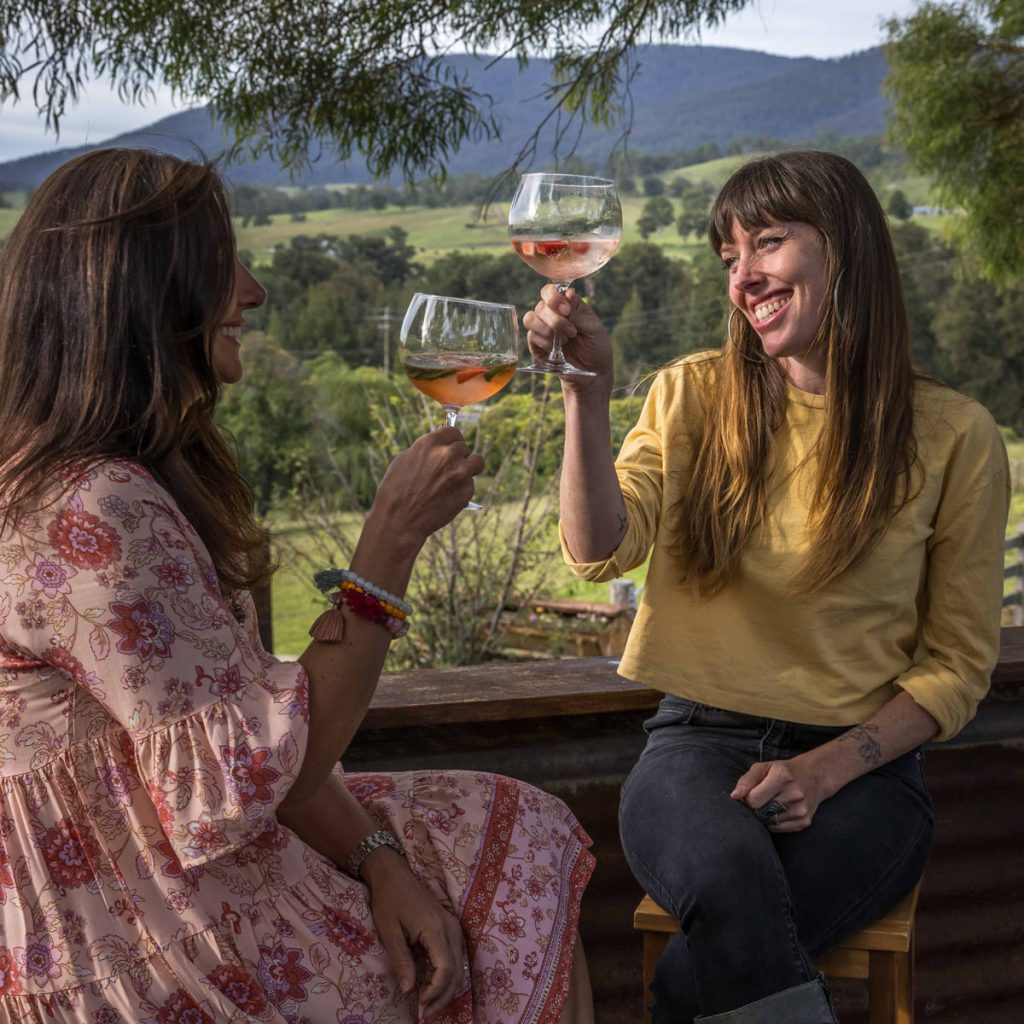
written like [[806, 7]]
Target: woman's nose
[[746, 273], [249, 293]]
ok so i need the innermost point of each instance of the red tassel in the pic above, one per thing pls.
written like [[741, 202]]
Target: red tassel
[[330, 627]]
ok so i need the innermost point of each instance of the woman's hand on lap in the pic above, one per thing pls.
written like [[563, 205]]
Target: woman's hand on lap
[[407, 917], [797, 784]]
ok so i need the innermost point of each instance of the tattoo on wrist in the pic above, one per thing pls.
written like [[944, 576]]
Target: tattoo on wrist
[[869, 749]]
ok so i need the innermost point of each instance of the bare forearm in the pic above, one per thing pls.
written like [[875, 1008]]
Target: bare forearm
[[331, 821], [343, 676], [593, 513], [899, 726], [334, 823]]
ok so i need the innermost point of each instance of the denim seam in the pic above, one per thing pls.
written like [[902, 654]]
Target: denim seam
[[838, 926], [796, 946]]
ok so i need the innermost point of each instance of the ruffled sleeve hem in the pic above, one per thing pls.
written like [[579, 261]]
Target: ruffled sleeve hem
[[217, 775]]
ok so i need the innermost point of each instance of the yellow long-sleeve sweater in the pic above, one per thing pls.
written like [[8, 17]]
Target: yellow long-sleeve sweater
[[921, 612]]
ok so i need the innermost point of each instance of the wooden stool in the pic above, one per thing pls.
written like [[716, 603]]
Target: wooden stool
[[882, 953]]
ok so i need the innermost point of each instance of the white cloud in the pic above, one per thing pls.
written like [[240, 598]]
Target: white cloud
[[809, 28], [99, 114]]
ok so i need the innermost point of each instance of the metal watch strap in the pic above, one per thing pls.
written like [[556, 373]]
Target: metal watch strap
[[382, 837]]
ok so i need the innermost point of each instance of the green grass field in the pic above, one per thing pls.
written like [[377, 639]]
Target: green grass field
[[296, 603], [435, 232]]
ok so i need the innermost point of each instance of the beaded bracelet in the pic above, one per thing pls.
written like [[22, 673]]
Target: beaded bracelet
[[397, 613], [363, 599], [327, 579]]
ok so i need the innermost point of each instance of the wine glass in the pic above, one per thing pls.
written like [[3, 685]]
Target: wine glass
[[458, 351], [564, 226]]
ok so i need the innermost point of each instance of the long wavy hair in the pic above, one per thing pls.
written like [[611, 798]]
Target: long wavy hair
[[866, 450], [112, 286]]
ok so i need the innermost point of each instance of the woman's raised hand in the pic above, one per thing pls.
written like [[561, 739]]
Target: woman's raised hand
[[426, 486], [586, 341]]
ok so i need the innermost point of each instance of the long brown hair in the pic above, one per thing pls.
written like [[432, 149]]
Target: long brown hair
[[866, 449], [112, 286]]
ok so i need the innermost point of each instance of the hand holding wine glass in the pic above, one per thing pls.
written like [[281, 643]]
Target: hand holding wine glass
[[564, 226], [458, 351]]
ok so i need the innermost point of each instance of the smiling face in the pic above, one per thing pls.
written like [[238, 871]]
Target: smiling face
[[778, 279], [225, 357]]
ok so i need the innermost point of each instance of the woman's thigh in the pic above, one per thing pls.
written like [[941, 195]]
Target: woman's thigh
[[677, 821], [864, 850]]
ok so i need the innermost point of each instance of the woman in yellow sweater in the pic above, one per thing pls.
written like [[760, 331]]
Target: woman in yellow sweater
[[826, 528]]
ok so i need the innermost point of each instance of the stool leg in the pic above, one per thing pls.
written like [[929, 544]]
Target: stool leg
[[654, 946], [905, 993], [891, 988]]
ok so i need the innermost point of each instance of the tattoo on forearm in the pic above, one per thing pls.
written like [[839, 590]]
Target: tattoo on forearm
[[869, 749]]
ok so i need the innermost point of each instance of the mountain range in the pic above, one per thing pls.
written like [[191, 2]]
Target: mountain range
[[681, 97]]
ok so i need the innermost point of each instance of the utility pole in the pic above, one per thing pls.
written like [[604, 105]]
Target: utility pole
[[384, 320]]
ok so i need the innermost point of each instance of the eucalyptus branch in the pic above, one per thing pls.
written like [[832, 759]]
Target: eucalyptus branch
[[334, 77]]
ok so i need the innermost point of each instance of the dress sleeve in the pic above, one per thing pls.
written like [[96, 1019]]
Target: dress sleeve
[[640, 469], [129, 609], [959, 642]]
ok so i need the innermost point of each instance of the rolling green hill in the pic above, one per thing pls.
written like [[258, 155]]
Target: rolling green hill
[[435, 231], [681, 97]]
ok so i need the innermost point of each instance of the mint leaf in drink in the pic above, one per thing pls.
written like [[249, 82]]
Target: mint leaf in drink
[[414, 372]]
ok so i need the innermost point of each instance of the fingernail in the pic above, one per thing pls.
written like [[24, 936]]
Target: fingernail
[[563, 308]]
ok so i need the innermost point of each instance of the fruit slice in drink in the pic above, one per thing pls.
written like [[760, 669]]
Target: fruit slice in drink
[[458, 379], [565, 259]]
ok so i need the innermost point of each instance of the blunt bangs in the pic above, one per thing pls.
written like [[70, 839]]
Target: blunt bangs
[[765, 191]]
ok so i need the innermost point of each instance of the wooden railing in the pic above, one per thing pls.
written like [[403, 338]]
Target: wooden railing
[[502, 691]]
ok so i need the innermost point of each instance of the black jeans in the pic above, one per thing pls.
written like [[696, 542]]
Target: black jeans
[[757, 908]]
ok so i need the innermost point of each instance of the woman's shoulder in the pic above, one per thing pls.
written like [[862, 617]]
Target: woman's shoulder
[[104, 489], [112, 477], [938, 405], [694, 371], [946, 421]]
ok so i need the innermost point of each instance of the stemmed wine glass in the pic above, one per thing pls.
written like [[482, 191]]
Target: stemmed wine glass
[[458, 351], [565, 226]]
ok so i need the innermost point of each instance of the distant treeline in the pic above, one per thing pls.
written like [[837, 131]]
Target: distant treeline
[[635, 174]]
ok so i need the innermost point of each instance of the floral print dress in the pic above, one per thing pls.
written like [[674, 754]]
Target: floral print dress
[[146, 739]]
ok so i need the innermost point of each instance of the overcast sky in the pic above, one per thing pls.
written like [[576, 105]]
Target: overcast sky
[[791, 28]]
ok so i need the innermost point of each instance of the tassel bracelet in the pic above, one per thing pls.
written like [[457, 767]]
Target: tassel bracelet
[[361, 597]]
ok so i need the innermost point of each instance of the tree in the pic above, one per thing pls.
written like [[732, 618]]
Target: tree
[[899, 206], [653, 185], [657, 213], [267, 413], [696, 200], [956, 84], [340, 77]]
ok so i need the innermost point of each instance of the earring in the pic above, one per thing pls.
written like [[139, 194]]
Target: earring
[[759, 358], [835, 290], [835, 300], [732, 313]]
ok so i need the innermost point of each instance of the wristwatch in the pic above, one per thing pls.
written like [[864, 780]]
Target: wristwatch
[[382, 837]]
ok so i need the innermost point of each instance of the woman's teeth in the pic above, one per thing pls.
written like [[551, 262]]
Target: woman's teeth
[[232, 332], [763, 312]]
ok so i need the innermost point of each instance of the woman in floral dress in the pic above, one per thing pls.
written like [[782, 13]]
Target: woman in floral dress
[[174, 829]]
